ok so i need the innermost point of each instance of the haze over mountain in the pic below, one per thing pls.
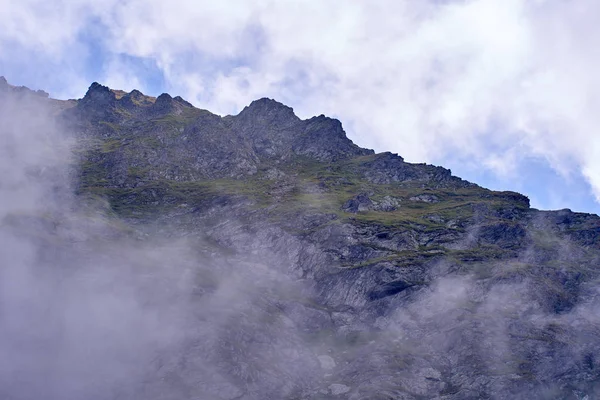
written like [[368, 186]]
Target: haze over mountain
[[151, 249]]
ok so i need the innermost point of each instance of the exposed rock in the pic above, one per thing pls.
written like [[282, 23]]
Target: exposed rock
[[274, 174], [389, 289], [326, 362], [337, 389], [360, 202], [325, 140], [426, 198], [98, 96], [136, 99], [387, 203], [163, 105], [268, 114], [387, 168]]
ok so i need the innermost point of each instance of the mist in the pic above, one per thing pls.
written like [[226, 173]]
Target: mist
[[93, 308]]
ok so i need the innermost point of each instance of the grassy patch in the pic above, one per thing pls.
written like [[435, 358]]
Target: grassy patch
[[110, 145]]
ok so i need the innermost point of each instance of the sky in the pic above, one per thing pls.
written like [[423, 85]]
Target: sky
[[504, 93]]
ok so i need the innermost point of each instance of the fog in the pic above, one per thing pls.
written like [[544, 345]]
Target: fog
[[91, 308]]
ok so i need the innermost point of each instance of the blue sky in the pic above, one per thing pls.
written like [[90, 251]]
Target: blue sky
[[503, 93]]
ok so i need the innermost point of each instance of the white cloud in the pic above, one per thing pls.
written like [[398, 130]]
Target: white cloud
[[469, 80], [118, 74]]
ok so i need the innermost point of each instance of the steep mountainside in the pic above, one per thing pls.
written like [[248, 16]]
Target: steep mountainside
[[312, 268]]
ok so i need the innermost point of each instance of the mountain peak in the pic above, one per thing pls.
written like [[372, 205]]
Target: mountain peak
[[99, 94], [182, 101], [268, 102], [95, 87], [163, 103], [20, 90], [135, 98], [269, 109], [136, 95]]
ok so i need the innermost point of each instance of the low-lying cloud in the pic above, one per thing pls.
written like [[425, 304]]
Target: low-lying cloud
[[94, 307]]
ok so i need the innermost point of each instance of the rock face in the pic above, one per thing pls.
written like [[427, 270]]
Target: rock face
[[317, 269], [362, 202]]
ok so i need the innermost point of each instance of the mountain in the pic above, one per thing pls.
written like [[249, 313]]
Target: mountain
[[264, 256]]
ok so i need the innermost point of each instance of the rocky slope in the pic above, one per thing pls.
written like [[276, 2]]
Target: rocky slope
[[298, 265]]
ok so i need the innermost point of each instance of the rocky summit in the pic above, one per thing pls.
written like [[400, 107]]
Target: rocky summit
[[159, 251]]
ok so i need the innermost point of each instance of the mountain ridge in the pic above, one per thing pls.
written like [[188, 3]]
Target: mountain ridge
[[165, 102], [265, 112], [369, 277]]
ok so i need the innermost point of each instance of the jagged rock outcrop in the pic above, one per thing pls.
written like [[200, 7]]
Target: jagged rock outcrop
[[20, 90], [362, 202], [275, 131]]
